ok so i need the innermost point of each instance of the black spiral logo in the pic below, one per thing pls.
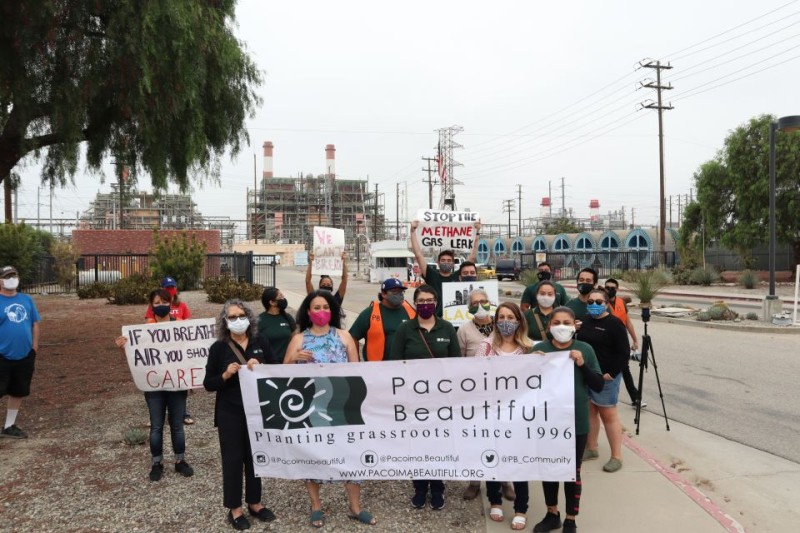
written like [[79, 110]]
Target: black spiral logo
[[294, 403]]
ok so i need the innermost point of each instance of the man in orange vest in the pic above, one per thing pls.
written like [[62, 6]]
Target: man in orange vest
[[378, 323], [618, 308]]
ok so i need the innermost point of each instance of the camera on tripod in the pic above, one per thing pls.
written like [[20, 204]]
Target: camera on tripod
[[647, 357], [645, 314]]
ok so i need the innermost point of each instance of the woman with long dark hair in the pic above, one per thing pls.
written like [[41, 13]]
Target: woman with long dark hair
[[238, 347], [275, 324]]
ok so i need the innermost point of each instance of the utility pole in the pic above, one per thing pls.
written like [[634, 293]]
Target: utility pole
[[375, 217], [680, 214], [519, 209], [633, 217], [431, 182], [670, 210], [255, 203], [550, 196], [658, 67], [397, 214], [563, 201], [623, 218], [51, 208], [508, 207]]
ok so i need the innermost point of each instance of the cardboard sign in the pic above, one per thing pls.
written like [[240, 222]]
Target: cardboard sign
[[455, 299], [328, 248], [447, 230]]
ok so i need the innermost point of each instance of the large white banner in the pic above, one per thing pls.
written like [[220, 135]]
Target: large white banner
[[500, 418], [447, 230], [169, 355], [328, 248], [455, 299]]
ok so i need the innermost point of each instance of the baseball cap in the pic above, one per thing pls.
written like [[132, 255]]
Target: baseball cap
[[6, 270], [392, 283], [168, 282]]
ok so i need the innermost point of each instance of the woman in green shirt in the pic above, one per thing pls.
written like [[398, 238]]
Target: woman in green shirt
[[587, 375], [538, 316], [275, 324]]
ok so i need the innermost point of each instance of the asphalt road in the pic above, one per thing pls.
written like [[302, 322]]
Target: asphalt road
[[739, 385]]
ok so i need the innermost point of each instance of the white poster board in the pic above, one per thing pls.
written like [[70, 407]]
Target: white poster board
[[328, 248], [455, 299], [169, 355], [447, 230], [506, 418]]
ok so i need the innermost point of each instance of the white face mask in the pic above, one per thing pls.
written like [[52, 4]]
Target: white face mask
[[545, 301], [562, 333], [481, 313], [238, 326], [11, 284]]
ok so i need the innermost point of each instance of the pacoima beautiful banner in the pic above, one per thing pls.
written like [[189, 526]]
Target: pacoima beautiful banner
[[328, 248], [493, 418], [447, 230], [455, 299], [169, 355]]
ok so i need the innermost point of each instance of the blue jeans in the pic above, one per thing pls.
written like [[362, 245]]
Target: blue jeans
[[159, 403]]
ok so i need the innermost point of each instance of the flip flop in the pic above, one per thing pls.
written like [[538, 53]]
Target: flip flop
[[496, 514], [365, 517], [518, 523], [317, 518]]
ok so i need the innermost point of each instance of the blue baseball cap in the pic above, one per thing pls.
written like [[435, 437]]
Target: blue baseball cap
[[392, 283], [168, 282]]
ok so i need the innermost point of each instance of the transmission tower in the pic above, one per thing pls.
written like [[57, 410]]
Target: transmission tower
[[446, 163]]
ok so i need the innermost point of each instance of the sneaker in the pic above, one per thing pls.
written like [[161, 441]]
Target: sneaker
[[570, 526], [612, 465], [437, 501], [13, 432], [183, 468], [156, 471], [635, 402], [418, 499], [588, 454], [550, 522]]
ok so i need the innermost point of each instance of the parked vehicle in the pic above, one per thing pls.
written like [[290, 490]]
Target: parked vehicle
[[485, 271], [507, 269]]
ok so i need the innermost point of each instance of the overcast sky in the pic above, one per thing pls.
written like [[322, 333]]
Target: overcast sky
[[543, 90]]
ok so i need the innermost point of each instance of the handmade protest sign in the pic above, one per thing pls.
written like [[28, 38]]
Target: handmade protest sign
[[448, 230], [169, 355], [328, 248], [455, 299], [509, 418]]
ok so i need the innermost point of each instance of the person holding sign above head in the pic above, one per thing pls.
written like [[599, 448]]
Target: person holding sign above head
[[539, 316], [163, 402], [423, 337], [275, 324], [445, 262], [322, 341], [326, 282], [586, 376], [510, 337], [238, 348], [378, 323], [545, 273]]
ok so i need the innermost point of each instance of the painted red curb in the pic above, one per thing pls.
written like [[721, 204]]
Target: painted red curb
[[724, 519]]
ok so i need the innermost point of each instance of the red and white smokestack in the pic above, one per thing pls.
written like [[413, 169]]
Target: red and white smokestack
[[267, 159], [594, 210], [330, 160], [545, 207]]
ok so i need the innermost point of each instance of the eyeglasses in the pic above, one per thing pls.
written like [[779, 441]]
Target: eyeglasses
[[481, 302], [236, 317], [427, 301], [598, 302]]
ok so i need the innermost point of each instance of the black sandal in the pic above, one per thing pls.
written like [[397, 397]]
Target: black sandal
[[263, 514]]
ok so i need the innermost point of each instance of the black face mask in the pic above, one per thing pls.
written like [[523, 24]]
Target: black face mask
[[612, 292], [281, 304], [161, 310], [326, 288], [543, 275], [585, 288]]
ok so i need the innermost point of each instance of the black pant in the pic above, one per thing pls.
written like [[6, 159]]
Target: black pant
[[629, 384], [572, 489], [436, 485], [520, 488], [234, 445]]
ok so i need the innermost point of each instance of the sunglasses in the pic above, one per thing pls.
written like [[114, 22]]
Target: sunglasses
[[598, 302]]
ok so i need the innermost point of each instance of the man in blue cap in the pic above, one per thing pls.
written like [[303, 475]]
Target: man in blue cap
[[378, 323]]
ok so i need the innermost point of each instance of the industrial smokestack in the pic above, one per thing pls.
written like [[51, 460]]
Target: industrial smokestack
[[594, 210], [267, 159], [330, 160], [546, 206]]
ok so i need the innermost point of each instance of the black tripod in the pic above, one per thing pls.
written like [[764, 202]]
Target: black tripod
[[648, 353]]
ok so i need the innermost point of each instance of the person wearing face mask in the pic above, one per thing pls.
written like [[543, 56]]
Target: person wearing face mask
[[619, 309], [587, 377], [510, 337], [238, 348], [606, 334], [544, 274], [425, 337], [275, 324], [326, 282], [587, 280], [445, 262], [19, 345], [378, 323], [321, 340], [161, 403], [538, 318]]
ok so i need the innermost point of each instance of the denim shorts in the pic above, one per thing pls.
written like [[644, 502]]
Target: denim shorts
[[609, 396]]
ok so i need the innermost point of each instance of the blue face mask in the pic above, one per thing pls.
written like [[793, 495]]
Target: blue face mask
[[595, 310]]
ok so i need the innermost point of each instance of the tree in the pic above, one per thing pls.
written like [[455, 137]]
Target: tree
[[162, 87], [561, 225], [733, 190]]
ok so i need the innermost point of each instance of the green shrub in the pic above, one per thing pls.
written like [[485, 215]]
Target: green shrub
[[751, 316], [132, 290], [223, 288], [703, 276], [529, 277], [64, 257], [23, 247], [95, 290], [179, 257], [646, 284], [135, 436], [748, 279], [721, 311], [703, 316]]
